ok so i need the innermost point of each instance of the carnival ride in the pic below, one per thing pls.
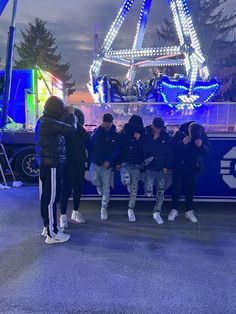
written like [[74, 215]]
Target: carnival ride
[[185, 91]]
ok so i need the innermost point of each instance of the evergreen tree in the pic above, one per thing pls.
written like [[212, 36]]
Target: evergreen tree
[[214, 28], [38, 48]]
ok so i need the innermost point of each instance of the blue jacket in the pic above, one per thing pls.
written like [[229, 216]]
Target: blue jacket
[[159, 149], [105, 146]]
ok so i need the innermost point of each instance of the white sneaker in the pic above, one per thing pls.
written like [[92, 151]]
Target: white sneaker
[[131, 215], [63, 221], [58, 238], [157, 218], [99, 190], [148, 194], [45, 231], [190, 216], [173, 214], [77, 217], [104, 214]]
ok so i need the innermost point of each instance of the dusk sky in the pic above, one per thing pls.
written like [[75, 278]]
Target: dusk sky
[[72, 22]]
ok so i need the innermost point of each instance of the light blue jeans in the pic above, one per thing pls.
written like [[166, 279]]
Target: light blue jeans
[[101, 177], [155, 178], [130, 175]]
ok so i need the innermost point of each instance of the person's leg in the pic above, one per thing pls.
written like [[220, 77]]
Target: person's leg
[[149, 179], [78, 185], [106, 181], [95, 175], [177, 180], [125, 175], [189, 189], [134, 181], [67, 182], [48, 199], [45, 195], [58, 188], [160, 187]]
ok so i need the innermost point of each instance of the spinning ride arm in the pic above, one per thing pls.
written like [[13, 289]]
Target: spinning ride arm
[[113, 32], [194, 59]]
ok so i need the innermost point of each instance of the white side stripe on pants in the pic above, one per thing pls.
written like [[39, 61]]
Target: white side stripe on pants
[[52, 200]]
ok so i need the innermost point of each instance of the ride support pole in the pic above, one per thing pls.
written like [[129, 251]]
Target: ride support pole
[[8, 69]]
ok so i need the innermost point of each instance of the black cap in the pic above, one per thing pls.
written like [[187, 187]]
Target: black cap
[[108, 117], [158, 123], [55, 107]]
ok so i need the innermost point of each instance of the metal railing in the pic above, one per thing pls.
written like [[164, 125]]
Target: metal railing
[[215, 116]]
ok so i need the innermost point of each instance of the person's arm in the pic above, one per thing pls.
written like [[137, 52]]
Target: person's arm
[[65, 129], [169, 154], [203, 145]]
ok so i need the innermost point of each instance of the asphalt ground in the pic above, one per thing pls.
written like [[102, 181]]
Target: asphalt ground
[[117, 266]]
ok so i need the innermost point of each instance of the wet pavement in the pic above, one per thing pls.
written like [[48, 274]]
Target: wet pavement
[[116, 266]]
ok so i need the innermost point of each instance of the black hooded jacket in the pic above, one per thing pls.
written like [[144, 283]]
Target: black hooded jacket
[[160, 149], [50, 141], [131, 149], [189, 156], [105, 146], [78, 146]]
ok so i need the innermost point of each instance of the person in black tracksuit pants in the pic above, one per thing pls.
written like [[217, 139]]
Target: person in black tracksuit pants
[[190, 143], [77, 148], [51, 153]]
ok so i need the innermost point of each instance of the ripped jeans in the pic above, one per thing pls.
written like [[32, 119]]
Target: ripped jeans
[[130, 175], [101, 177], [158, 179]]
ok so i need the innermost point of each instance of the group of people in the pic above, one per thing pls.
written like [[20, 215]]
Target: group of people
[[65, 150]]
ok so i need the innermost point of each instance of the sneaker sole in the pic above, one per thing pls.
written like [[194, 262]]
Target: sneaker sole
[[194, 222], [104, 218], [171, 219], [57, 242], [159, 223], [78, 222], [65, 226]]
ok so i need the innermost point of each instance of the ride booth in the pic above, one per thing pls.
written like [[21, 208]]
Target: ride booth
[[30, 89]]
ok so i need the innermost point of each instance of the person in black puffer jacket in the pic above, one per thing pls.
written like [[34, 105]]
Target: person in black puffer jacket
[[51, 153], [190, 143], [78, 148], [105, 140], [131, 159], [158, 159]]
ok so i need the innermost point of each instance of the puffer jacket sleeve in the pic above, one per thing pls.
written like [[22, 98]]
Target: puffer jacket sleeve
[[64, 129]]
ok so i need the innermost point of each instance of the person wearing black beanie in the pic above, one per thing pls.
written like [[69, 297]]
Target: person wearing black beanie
[[105, 140], [131, 159], [190, 144], [51, 153]]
